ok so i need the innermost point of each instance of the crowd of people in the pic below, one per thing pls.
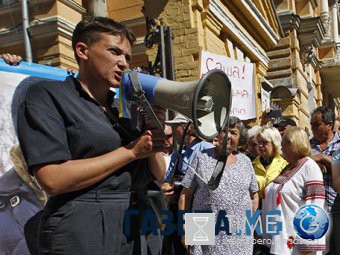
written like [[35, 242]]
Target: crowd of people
[[279, 168], [87, 166]]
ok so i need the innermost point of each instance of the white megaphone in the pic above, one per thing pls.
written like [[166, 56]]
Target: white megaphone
[[206, 102]]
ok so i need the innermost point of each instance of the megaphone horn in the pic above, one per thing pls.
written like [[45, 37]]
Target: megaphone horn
[[206, 102]]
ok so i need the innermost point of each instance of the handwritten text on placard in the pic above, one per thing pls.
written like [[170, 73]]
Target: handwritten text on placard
[[241, 76]]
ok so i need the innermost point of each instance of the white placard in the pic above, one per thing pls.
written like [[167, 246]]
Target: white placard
[[241, 76], [265, 99], [9, 82], [13, 90]]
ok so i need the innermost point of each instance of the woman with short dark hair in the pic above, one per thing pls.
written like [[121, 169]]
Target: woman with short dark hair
[[83, 155], [236, 193]]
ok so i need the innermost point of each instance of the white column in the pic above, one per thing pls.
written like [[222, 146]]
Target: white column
[[97, 8], [335, 28], [324, 15]]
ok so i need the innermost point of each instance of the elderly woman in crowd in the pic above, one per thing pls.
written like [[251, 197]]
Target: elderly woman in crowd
[[269, 164], [236, 193], [300, 183], [252, 150]]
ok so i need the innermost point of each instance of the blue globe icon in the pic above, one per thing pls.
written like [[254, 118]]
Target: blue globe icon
[[311, 222]]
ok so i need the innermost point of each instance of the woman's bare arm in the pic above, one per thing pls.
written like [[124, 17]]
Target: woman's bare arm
[[255, 201], [185, 199], [78, 174]]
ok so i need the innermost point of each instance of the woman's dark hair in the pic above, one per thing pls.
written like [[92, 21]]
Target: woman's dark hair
[[88, 30], [233, 122]]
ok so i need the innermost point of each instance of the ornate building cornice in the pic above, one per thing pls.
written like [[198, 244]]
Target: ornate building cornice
[[7, 8], [51, 25], [231, 25], [289, 21], [333, 61], [311, 34], [311, 31], [257, 15], [307, 56], [72, 4], [47, 27], [16, 6]]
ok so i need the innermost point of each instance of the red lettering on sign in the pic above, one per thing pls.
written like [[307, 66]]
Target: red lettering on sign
[[231, 71], [237, 111], [240, 93]]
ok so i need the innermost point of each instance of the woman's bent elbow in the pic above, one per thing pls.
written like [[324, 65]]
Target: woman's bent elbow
[[49, 184], [50, 188]]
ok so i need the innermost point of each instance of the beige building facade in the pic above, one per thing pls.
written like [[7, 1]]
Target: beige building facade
[[293, 44], [240, 30], [304, 64], [51, 24]]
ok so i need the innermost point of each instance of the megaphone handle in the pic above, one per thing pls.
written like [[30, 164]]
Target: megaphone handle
[[151, 114], [215, 179], [140, 97]]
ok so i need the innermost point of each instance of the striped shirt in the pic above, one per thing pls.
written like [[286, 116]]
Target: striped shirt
[[333, 199]]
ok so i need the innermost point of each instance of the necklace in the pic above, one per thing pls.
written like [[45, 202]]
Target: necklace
[[292, 167]]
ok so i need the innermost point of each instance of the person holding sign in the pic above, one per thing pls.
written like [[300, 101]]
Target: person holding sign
[[11, 59]]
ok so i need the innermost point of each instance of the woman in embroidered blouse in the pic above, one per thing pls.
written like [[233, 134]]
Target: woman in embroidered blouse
[[269, 164], [300, 183]]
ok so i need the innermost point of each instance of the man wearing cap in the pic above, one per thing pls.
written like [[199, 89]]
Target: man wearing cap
[[284, 124], [189, 144], [184, 135]]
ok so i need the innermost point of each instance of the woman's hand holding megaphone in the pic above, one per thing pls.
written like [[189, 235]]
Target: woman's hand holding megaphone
[[149, 145], [160, 113], [152, 140], [146, 145], [159, 139]]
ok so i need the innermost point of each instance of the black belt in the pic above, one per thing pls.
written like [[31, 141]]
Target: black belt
[[100, 195], [90, 196]]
